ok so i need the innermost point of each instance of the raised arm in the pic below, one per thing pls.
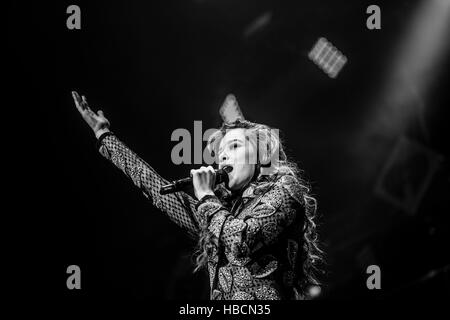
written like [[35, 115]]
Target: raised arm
[[178, 206]]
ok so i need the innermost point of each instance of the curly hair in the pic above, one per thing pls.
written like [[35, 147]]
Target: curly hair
[[272, 157]]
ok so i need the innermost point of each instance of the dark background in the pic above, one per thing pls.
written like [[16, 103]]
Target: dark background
[[155, 66]]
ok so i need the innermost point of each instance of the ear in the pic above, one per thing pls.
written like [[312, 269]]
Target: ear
[[230, 110]]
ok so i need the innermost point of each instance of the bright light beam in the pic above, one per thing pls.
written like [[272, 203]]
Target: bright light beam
[[414, 68]]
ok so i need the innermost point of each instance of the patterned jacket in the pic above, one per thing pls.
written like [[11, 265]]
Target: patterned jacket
[[255, 238]]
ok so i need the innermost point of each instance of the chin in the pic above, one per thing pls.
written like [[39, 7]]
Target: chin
[[231, 186]]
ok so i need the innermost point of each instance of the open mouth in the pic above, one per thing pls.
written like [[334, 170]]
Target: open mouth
[[221, 165]]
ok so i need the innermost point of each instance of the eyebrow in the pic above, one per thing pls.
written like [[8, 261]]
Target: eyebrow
[[228, 142]]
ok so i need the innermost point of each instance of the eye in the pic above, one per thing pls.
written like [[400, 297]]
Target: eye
[[234, 145]]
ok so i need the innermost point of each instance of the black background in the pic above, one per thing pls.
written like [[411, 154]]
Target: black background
[[156, 66]]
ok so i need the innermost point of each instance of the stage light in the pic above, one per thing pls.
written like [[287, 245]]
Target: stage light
[[418, 59], [407, 174], [258, 24], [314, 291], [327, 57], [230, 110]]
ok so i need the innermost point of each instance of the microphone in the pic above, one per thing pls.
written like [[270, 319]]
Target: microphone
[[178, 185]]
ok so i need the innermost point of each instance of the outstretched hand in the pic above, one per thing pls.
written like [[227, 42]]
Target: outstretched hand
[[96, 121]]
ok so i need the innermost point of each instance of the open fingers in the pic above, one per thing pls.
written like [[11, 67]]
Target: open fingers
[[85, 105], [77, 100], [82, 105], [84, 101]]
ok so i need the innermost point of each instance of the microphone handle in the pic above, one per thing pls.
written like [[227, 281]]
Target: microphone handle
[[179, 185], [175, 186]]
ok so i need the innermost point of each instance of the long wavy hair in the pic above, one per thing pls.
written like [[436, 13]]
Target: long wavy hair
[[272, 156]]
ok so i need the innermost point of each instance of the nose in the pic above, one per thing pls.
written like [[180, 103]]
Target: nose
[[223, 157]]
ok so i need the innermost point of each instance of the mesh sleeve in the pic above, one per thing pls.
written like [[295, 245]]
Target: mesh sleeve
[[179, 206]]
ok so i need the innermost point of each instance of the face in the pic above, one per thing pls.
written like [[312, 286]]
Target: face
[[236, 151]]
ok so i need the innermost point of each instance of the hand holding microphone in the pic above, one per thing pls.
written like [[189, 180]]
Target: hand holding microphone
[[203, 180]]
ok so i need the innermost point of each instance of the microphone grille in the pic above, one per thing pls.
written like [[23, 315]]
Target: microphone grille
[[227, 169]]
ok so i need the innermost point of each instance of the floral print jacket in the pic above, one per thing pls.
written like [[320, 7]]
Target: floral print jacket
[[256, 238]]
